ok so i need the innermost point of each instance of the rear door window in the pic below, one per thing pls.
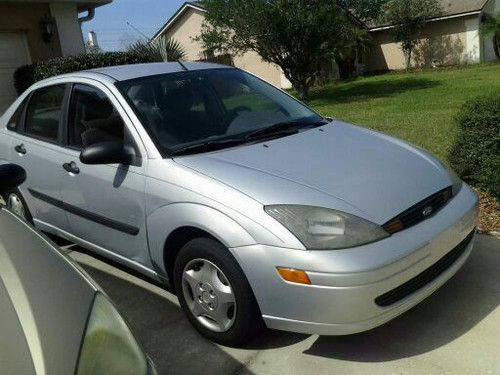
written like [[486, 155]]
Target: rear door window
[[44, 111]]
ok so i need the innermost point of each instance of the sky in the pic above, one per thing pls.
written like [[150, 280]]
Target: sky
[[110, 22]]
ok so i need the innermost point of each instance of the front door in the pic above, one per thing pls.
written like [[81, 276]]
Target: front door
[[104, 203]]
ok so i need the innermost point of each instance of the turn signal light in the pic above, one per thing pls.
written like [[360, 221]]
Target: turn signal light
[[294, 276], [394, 226]]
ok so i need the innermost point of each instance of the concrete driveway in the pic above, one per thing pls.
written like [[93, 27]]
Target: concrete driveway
[[455, 331]]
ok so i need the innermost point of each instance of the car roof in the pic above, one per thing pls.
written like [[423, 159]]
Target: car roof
[[128, 72]]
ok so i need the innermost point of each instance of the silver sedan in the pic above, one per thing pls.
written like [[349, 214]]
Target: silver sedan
[[256, 208]]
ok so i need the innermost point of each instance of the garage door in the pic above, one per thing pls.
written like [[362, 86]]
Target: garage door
[[13, 54]]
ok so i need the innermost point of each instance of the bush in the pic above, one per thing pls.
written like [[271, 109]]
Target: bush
[[476, 154], [25, 76], [161, 49]]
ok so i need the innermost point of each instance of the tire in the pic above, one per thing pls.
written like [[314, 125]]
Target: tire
[[12, 196], [242, 320]]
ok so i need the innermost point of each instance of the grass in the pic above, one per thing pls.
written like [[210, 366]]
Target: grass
[[418, 107]]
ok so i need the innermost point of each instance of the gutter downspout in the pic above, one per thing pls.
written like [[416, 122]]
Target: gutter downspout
[[89, 17]]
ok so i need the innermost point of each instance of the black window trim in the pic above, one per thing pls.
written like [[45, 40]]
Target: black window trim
[[22, 128], [20, 120]]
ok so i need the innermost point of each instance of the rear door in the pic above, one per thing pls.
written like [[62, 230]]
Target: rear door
[[105, 204], [35, 145]]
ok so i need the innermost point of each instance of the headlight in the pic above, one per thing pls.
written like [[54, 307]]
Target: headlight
[[108, 346], [324, 229]]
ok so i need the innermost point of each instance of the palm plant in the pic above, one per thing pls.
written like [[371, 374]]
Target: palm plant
[[491, 27], [159, 50]]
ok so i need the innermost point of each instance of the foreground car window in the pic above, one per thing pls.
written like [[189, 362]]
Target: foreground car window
[[198, 106], [44, 112]]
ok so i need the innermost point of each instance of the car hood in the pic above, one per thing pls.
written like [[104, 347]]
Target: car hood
[[338, 166]]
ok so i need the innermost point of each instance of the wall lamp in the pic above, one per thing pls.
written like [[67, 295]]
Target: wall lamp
[[48, 26]]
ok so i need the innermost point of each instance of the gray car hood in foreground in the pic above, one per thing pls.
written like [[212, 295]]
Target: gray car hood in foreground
[[44, 303], [339, 166]]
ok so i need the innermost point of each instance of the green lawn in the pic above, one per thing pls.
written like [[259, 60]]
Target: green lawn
[[418, 107]]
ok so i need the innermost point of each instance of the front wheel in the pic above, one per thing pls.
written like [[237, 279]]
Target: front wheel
[[214, 293]]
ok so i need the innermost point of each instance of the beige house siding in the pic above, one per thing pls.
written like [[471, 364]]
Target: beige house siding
[[188, 25], [450, 41], [184, 29], [25, 18]]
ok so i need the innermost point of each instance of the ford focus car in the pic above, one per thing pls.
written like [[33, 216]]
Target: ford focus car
[[252, 205], [54, 318]]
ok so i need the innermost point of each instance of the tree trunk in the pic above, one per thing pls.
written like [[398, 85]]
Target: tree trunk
[[408, 60], [496, 45], [303, 92], [302, 89]]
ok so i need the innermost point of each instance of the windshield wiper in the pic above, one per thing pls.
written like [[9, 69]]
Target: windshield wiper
[[207, 146], [281, 129]]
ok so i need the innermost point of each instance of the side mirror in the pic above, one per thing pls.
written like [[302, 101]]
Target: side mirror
[[11, 176], [108, 153]]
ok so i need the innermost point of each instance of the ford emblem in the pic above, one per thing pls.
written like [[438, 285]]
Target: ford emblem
[[427, 211]]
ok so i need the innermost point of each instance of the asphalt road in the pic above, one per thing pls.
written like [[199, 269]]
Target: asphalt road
[[455, 331]]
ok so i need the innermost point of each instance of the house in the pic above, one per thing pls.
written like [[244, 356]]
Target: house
[[186, 24], [37, 30], [450, 38]]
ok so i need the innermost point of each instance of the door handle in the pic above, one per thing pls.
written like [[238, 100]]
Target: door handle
[[20, 149], [71, 167]]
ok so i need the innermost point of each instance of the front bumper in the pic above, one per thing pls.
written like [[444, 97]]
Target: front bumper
[[346, 282]]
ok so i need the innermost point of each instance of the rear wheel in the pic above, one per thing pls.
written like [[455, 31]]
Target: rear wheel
[[215, 294], [15, 203]]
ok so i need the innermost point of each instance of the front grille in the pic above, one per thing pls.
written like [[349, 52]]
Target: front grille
[[426, 276], [419, 212]]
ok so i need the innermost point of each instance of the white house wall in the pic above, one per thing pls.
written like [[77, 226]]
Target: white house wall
[[473, 41], [70, 33]]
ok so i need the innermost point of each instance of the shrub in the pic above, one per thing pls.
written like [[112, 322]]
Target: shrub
[[476, 154], [161, 49], [25, 76]]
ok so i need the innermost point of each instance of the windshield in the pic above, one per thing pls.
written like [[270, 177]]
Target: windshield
[[196, 107]]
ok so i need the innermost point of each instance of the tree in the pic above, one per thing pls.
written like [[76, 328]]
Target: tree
[[408, 18], [491, 27], [161, 49], [297, 35]]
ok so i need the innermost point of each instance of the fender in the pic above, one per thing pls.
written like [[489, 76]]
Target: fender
[[164, 220]]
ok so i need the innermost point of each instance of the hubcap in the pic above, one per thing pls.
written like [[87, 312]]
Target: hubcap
[[209, 295], [15, 205]]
